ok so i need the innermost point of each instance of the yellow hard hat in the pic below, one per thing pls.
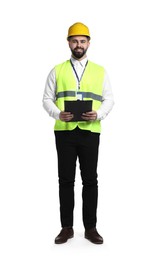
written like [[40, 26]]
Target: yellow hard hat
[[78, 29]]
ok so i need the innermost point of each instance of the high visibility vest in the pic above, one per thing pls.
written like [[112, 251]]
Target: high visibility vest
[[91, 87]]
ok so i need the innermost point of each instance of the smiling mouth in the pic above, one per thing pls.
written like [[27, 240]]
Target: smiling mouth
[[78, 49]]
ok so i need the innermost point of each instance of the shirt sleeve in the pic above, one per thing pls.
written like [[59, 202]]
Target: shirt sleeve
[[49, 96], [107, 99]]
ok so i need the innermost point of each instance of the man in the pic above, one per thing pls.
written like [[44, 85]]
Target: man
[[78, 79]]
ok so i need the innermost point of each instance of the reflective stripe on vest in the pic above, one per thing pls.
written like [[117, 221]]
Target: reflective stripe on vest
[[91, 87], [84, 95]]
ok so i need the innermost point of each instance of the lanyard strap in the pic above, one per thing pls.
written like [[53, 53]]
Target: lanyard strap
[[79, 80]]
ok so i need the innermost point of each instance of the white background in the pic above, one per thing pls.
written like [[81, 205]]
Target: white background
[[33, 40]]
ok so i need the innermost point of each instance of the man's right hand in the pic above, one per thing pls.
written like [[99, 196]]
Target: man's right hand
[[65, 116]]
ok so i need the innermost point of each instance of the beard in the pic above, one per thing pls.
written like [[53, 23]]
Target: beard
[[78, 52]]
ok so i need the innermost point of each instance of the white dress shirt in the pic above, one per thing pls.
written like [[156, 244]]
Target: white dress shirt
[[49, 96]]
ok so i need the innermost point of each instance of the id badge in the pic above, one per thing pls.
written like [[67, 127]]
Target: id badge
[[79, 96]]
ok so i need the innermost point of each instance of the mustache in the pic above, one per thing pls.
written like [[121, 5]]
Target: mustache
[[76, 49]]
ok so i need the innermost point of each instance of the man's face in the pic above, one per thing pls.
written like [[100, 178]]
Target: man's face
[[78, 46]]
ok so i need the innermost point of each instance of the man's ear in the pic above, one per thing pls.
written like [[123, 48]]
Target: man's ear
[[68, 43]]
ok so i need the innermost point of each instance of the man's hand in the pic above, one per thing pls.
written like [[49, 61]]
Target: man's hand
[[65, 116], [89, 116]]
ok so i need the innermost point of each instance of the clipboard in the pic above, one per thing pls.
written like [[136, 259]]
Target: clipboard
[[77, 108]]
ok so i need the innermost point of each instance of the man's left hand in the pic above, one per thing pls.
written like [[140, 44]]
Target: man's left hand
[[89, 116]]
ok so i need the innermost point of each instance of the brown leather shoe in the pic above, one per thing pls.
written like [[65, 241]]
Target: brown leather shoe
[[64, 235], [93, 236]]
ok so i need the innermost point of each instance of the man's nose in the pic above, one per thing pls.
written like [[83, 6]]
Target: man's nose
[[78, 44]]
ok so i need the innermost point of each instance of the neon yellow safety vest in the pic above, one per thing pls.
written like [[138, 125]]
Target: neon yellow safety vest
[[91, 87]]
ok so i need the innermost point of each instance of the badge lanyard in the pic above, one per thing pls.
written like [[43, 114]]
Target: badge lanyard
[[79, 80]]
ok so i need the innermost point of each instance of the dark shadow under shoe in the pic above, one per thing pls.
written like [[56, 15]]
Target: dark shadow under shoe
[[64, 235], [93, 236]]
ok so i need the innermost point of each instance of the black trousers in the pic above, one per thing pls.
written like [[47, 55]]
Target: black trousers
[[83, 145]]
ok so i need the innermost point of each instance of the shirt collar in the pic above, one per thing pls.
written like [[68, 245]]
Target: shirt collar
[[82, 62]]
